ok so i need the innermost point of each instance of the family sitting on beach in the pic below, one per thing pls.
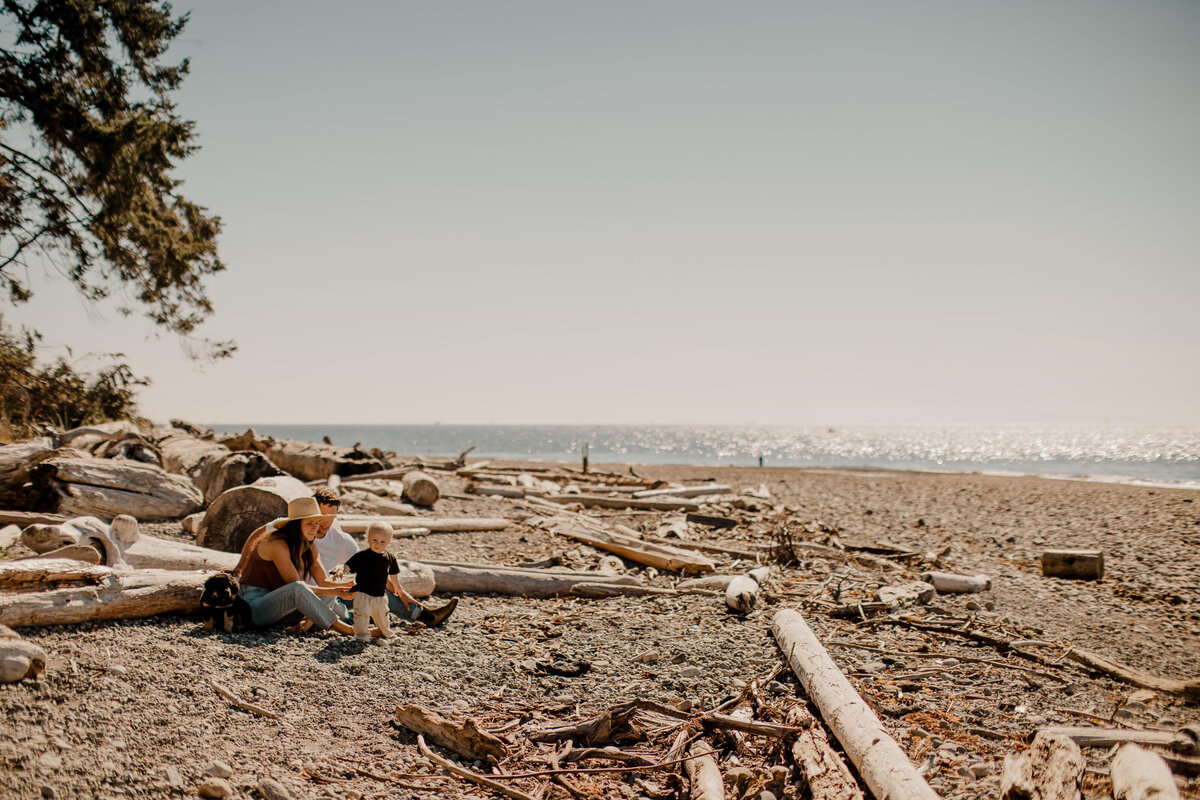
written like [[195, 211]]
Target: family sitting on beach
[[285, 572]]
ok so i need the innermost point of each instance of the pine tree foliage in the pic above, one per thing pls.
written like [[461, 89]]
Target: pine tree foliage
[[89, 135]]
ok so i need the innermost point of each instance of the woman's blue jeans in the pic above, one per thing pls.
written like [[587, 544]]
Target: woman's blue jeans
[[270, 606]]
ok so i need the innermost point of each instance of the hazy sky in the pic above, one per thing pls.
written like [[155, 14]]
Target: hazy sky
[[700, 212]]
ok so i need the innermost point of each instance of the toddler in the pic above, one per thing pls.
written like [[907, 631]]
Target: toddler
[[375, 571]]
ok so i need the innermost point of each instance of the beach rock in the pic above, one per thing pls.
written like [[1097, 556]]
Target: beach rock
[[215, 788], [218, 769], [272, 789]]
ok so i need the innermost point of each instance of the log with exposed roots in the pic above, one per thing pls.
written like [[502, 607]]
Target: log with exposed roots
[[307, 461]]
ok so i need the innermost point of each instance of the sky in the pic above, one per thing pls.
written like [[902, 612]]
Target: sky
[[686, 212]]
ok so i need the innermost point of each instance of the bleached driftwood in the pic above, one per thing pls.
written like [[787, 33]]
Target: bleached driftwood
[[742, 594], [307, 461], [465, 738], [76, 552], [1189, 688], [16, 460], [1051, 769], [9, 535], [104, 488], [1077, 564], [420, 489], [1138, 774], [46, 538], [950, 583], [238, 512], [1107, 737], [211, 465], [354, 523], [703, 773], [592, 589], [823, 771], [599, 501], [474, 777], [882, 764], [498, 579], [19, 659], [906, 593], [683, 491], [588, 531], [376, 504], [85, 592]]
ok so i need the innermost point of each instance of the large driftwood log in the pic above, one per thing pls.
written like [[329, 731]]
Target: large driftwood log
[[882, 764], [498, 579], [19, 659], [1180, 742], [588, 531], [420, 489], [16, 461], [1052, 769], [465, 738], [104, 488], [92, 592], [238, 512], [212, 466], [683, 491], [1138, 774], [88, 436], [307, 461], [1077, 564]]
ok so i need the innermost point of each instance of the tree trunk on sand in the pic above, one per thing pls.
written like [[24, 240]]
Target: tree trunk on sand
[[582, 529], [103, 488], [420, 489], [238, 512], [307, 461], [1137, 774], [497, 579], [212, 466], [92, 592], [374, 504], [16, 461], [821, 768], [1051, 769], [151, 552], [417, 578], [358, 523], [464, 738], [19, 659], [1078, 564], [703, 773], [882, 764]]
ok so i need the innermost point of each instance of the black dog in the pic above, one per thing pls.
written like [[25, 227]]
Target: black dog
[[221, 607]]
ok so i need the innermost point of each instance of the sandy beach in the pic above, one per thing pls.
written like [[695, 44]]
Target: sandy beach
[[125, 709]]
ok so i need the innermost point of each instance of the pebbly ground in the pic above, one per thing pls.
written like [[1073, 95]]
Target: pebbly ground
[[126, 709]]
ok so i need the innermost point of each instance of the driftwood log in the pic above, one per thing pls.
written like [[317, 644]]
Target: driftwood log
[[1077, 564], [741, 595], [420, 489], [582, 529], [882, 764], [19, 659], [104, 488], [703, 773], [1138, 774], [84, 592], [1052, 769], [16, 461], [683, 491], [950, 583], [212, 466], [233, 516], [307, 461], [822, 770], [1188, 688], [498, 579], [355, 523], [464, 738], [599, 501]]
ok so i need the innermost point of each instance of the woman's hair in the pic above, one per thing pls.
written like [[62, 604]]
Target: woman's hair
[[300, 550]]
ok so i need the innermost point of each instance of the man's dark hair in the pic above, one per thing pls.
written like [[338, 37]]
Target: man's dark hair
[[327, 497]]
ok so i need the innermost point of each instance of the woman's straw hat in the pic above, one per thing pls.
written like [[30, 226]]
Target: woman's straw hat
[[304, 508]]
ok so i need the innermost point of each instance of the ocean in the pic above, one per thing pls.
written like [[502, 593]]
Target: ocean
[[1155, 455]]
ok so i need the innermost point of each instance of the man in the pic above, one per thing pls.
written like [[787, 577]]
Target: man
[[335, 546]]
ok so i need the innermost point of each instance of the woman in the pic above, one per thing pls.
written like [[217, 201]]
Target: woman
[[274, 574]]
